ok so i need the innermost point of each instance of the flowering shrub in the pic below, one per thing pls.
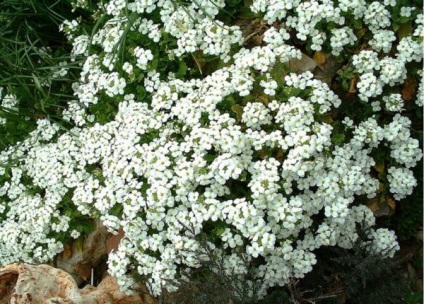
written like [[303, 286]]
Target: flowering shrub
[[246, 152]]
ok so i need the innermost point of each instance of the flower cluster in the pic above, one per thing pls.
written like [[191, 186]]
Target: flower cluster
[[402, 181], [307, 19], [8, 103], [243, 155]]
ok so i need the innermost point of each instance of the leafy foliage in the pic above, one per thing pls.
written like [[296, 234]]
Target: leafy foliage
[[31, 51]]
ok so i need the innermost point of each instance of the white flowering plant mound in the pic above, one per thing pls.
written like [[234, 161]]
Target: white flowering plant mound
[[181, 130]]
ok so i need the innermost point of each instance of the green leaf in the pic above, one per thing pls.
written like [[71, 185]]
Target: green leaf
[[357, 23], [338, 138], [246, 13], [405, 29], [219, 231], [141, 92], [238, 110], [79, 244], [209, 158], [395, 26], [182, 68], [233, 2], [117, 210]]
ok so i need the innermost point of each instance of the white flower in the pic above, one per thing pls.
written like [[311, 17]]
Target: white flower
[[382, 40], [269, 85], [376, 16], [348, 122], [10, 102], [393, 71], [256, 114], [113, 84], [406, 11], [366, 61], [393, 102], [62, 71], [384, 242], [340, 38], [419, 30], [369, 86], [75, 234], [46, 130], [357, 7], [409, 50], [420, 92], [143, 57], [128, 67], [376, 106], [401, 181], [114, 7], [80, 46]]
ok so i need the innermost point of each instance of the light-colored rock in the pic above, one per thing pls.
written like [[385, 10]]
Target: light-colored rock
[[45, 284], [42, 284], [110, 286], [79, 258], [112, 241], [303, 64], [327, 71]]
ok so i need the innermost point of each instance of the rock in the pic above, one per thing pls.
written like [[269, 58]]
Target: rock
[[324, 72], [25, 283], [301, 65], [113, 241], [43, 283], [7, 283], [110, 285], [327, 71], [79, 258]]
